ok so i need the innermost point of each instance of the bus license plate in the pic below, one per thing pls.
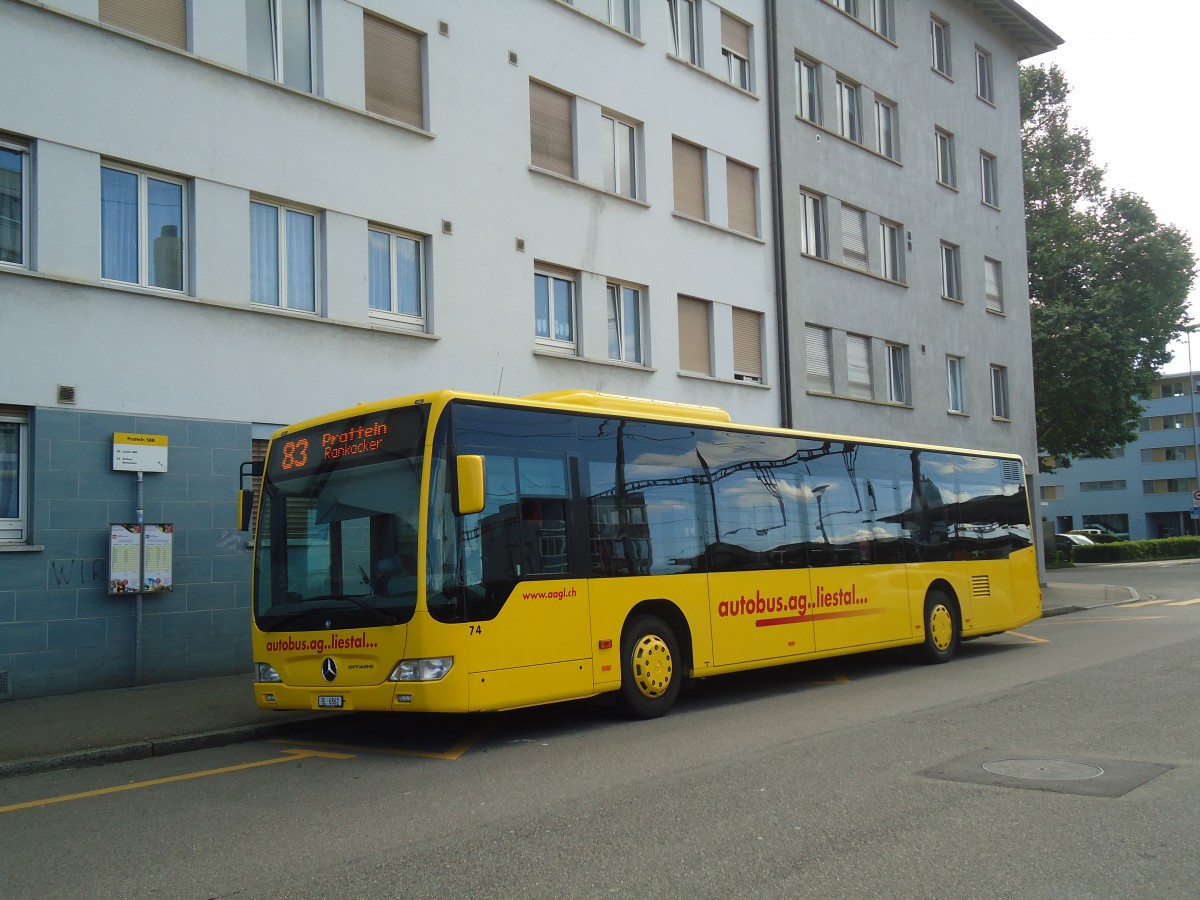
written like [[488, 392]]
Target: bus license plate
[[328, 702]]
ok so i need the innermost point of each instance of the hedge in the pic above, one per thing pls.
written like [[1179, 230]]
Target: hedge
[[1122, 551]]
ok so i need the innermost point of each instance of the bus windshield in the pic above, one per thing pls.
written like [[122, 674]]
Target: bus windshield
[[337, 537]]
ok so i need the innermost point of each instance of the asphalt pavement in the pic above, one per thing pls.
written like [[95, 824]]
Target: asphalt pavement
[[47, 733]]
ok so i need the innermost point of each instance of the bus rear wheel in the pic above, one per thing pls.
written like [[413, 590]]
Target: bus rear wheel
[[651, 671], [942, 632]]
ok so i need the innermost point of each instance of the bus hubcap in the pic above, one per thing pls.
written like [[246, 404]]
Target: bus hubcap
[[941, 627], [652, 666]]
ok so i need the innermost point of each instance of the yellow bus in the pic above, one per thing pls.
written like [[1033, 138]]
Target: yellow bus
[[452, 552]]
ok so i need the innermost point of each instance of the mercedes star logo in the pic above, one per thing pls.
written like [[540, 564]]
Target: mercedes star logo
[[329, 669]]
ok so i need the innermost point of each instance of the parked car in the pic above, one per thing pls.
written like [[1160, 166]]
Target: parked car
[[1066, 543]]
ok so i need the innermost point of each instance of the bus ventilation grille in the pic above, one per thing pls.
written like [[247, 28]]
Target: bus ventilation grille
[[1012, 471], [980, 586]]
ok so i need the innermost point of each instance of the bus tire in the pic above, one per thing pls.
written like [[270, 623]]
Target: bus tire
[[942, 631], [651, 668]]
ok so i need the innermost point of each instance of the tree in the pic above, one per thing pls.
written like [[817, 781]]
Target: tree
[[1108, 283]]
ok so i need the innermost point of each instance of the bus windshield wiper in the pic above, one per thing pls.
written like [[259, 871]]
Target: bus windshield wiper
[[357, 600]]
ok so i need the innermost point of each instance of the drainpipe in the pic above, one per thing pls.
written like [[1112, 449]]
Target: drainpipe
[[783, 330]]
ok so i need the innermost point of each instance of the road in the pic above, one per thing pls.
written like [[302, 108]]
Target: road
[[1061, 761]]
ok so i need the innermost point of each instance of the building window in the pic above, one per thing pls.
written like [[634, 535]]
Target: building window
[[283, 257], [747, 345], [743, 197], [279, 41], [620, 157], [164, 21], [551, 129], [695, 335], [14, 203], [625, 323], [854, 237], [945, 158], [897, 373], [886, 138], [818, 364], [850, 7], [858, 366], [987, 178], [847, 110], [685, 29], [992, 285], [983, 75], [939, 36], [141, 228], [889, 251], [687, 161], [1112, 485], [14, 474], [954, 384], [881, 17], [614, 12], [808, 91], [812, 225], [394, 77], [951, 280], [1000, 392], [396, 281], [735, 49], [1052, 492], [1168, 486], [554, 307]]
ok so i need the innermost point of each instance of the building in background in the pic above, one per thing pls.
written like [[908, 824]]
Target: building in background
[[220, 217], [1147, 488]]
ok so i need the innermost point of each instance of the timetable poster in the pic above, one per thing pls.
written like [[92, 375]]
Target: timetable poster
[[124, 557], [158, 556]]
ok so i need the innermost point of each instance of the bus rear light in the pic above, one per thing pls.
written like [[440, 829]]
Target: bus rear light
[[265, 673], [434, 669]]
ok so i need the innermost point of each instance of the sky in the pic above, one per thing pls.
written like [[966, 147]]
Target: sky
[[1131, 71]]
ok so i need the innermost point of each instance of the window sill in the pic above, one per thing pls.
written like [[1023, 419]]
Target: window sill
[[713, 75], [557, 176], [958, 300], [936, 71], [1002, 419], [883, 37], [998, 312], [871, 402], [613, 28], [703, 376], [21, 548], [845, 140], [547, 353], [855, 269], [948, 186], [721, 228], [958, 413]]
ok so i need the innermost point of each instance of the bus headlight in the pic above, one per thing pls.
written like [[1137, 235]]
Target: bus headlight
[[433, 669], [265, 673]]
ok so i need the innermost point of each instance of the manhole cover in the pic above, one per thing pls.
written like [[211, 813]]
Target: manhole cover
[[1043, 769]]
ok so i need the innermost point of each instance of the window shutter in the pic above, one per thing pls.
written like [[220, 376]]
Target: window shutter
[[695, 341], [854, 237], [164, 21], [550, 131], [816, 354], [747, 345], [735, 35], [991, 276], [743, 210], [688, 172], [393, 71], [858, 365]]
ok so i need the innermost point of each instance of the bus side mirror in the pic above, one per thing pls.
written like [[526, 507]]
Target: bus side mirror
[[245, 495], [469, 497]]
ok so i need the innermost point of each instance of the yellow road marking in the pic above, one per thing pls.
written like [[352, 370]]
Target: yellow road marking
[[289, 756], [1184, 602], [452, 754], [1029, 637], [1140, 603]]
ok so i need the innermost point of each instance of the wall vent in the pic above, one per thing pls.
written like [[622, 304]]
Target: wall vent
[[443, 28], [66, 394], [512, 57], [5, 686], [521, 245], [447, 226]]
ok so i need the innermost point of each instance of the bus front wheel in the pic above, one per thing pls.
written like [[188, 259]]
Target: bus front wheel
[[942, 631], [651, 668]]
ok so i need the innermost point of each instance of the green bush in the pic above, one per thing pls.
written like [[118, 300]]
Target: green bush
[[1124, 551]]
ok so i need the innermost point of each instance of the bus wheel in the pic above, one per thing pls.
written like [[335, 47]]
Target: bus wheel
[[941, 628], [651, 669]]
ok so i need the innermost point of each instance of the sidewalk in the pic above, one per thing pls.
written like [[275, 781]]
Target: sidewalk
[[72, 730]]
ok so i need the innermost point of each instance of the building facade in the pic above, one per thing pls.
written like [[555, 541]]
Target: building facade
[[222, 217], [1147, 488]]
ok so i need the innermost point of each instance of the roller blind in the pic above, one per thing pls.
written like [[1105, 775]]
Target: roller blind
[[816, 353], [695, 341], [743, 210], [688, 173], [854, 238], [164, 21], [393, 71], [747, 344], [735, 35], [550, 131]]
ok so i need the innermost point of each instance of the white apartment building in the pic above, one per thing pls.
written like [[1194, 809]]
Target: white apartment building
[[219, 217]]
